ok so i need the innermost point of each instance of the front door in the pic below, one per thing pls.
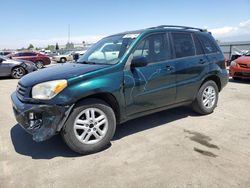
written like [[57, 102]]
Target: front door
[[152, 86]]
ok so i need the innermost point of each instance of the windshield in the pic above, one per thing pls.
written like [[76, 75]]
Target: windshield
[[108, 50], [248, 53], [67, 53]]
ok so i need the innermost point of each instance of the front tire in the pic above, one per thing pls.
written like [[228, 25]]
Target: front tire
[[63, 60], [18, 72], [90, 127], [207, 98]]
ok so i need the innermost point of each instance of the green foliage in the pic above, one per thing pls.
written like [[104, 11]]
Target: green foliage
[[30, 47]]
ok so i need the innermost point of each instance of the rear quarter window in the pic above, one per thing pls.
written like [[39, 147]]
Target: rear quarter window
[[208, 44], [183, 45]]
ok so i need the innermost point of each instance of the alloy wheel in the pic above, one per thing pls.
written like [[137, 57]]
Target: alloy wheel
[[90, 126], [18, 72], [39, 64], [209, 97]]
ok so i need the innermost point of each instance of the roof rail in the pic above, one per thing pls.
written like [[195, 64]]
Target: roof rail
[[178, 26]]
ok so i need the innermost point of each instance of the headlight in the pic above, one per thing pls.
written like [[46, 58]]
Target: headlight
[[48, 90], [233, 64]]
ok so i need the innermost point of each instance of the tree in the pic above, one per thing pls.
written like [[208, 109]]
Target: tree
[[30, 47], [57, 46], [69, 46], [50, 47]]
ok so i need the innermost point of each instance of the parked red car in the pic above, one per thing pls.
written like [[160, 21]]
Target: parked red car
[[39, 59], [240, 68]]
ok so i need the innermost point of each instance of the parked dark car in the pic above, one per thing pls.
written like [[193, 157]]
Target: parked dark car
[[15, 69], [39, 59], [4, 53], [144, 72]]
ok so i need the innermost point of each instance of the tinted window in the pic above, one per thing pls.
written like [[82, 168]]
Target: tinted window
[[208, 44], [198, 46], [154, 48], [183, 44], [29, 54], [25, 54]]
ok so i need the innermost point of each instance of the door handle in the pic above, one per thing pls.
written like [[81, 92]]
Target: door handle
[[169, 68], [202, 61]]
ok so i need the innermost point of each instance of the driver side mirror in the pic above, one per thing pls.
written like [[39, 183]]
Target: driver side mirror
[[139, 62], [1, 60]]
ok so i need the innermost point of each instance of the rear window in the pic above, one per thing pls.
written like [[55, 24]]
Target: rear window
[[183, 45], [208, 44], [198, 46]]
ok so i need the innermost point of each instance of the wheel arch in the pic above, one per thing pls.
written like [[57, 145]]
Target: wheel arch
[[16, 67], [214, 78], [109, 98]]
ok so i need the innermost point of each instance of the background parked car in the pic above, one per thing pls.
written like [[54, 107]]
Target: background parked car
[[39, 59], [68, 56], [4, 53], [15, 69], [240, 67]]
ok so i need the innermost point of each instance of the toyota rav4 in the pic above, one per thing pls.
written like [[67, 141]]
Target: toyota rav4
[[140, 72]]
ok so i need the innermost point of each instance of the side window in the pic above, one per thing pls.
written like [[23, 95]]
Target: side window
[[154, 48], [112, 48], [29, 54], [142, 49], [183, 45], [208, 44], [18, 54], [198, 46]]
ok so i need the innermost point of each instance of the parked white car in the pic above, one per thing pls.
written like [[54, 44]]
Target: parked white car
[[108, 51], [68, 56]]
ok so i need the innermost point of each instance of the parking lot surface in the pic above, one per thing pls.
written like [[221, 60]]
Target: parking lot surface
[[174, 148]]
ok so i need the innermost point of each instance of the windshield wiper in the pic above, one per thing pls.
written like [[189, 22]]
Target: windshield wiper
[[86, 62]]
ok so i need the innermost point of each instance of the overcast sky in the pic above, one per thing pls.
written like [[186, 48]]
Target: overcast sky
[[43, 22]]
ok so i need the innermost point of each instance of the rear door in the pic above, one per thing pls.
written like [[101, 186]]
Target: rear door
[[152, 86], [191, 64], [5, 68], [211, 50]]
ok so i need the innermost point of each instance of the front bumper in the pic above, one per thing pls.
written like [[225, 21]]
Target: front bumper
[[239, 72], [40, 120]]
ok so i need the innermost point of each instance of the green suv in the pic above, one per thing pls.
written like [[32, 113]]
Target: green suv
[[121, 77]]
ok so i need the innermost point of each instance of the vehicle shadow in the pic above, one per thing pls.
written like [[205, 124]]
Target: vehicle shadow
[[152, 121], [24, 145], [6, 78], [243, 81], [55, 146]]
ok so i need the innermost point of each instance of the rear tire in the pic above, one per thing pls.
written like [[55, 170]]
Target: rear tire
[[207, 98], [90, 127], [39, 64]]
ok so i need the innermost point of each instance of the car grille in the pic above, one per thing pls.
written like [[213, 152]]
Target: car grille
[[246, 66], [22, 91]]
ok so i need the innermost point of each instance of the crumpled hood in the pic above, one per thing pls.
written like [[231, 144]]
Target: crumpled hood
[[57, 72]]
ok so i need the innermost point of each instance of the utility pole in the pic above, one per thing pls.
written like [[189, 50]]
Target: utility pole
[[68, 33]]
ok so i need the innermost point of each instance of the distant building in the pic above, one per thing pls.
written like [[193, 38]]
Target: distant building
[[232, 48]]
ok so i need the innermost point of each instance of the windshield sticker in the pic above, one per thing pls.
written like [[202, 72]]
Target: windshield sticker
[[132, 36]]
